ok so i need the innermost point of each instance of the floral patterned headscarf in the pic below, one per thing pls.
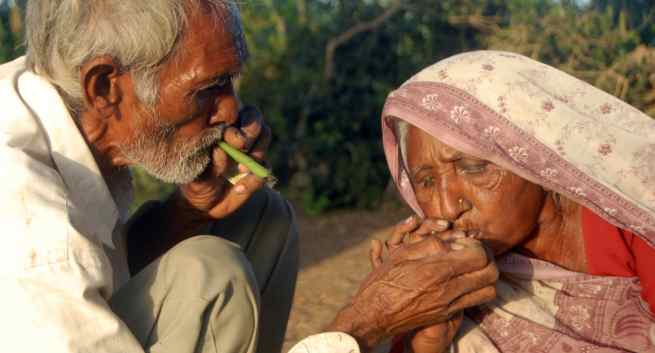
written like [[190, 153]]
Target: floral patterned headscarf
[[538, 122]]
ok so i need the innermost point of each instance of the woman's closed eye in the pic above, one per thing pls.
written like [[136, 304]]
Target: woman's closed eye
[[470, 166], [426, 181]]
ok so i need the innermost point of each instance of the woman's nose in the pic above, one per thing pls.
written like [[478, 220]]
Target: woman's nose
[[451, 202]]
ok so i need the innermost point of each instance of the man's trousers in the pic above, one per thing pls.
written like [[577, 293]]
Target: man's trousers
[[227, 292]]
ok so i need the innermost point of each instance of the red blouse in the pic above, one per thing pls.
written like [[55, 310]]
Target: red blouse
[[613, 251]]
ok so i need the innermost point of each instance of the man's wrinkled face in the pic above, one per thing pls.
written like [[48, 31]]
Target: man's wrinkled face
[[174, 140], [489, 203]]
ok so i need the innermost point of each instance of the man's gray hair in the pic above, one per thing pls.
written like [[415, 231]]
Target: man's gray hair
[[140, 35]]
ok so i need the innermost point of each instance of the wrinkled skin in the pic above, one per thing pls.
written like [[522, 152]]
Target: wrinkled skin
[[491, 204], [179, 133], [475, 198], [419, 284]]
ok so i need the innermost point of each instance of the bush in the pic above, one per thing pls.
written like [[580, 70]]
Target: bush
[[324, 111]]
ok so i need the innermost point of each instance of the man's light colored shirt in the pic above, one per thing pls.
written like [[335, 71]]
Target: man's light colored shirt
[[63, 252]]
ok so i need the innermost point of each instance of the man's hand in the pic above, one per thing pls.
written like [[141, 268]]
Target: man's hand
[[193, 207], [421, 284], [211, 195]]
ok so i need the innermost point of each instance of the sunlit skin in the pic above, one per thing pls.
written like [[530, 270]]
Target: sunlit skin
[[196, 93], [498, 207], [464, 196]]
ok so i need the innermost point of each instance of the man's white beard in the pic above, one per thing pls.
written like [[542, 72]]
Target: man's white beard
[[173, 162]]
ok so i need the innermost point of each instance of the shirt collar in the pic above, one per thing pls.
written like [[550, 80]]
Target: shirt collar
[[89, 193]]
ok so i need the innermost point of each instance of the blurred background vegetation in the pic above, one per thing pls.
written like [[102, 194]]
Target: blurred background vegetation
[[320, 71]]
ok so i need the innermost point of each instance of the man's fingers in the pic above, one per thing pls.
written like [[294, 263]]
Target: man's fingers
[[258, 151], [237, 195], [475, 298], [252, 135], [236, 138], [210, 179], [221, 162], [252, 122]]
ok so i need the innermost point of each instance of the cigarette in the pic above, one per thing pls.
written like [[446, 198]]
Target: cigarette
[[250, 163]]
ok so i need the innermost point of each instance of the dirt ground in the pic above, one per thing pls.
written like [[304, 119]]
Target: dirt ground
[[334, 260]]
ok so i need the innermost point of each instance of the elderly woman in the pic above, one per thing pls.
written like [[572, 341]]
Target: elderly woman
[[556, 177]]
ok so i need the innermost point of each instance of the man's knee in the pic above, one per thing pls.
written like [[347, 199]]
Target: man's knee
[[207, 266]]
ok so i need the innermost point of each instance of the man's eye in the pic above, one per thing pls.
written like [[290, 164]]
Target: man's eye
[[220, 84]]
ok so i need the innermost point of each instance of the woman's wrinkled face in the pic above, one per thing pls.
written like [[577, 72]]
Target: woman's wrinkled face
[[489, 203]]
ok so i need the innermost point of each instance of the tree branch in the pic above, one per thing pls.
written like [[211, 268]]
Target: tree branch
[[485, 24], [361, 27]]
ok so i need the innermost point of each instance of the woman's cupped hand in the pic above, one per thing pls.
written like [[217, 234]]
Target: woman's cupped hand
[[415, 239]]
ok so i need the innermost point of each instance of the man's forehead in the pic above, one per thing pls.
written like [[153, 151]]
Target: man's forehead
[[228, 15], [213, 44], [207, 18]]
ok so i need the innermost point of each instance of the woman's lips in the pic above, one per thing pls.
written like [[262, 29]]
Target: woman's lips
[[474, 234]]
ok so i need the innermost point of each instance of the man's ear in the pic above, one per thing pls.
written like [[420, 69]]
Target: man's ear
[[99, 79]]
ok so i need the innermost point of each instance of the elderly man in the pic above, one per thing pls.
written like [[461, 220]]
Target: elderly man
[[104, 85], [109, 83]]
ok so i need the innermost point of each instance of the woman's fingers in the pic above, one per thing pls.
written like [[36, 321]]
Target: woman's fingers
[[430, 246], [472, 299], [472, 258], [459, 286], [401, 230], [432, 226], [430, 339], [436, 338], [423, 229], [375, 253]]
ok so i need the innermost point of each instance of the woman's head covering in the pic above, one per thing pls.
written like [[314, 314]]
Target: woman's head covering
[[538, 122]]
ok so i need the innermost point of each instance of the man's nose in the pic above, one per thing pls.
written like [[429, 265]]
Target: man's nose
[[227, 109]]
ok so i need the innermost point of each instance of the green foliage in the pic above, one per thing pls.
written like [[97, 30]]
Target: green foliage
[[327, 149], [325, 118], [11, 33], [606, 46]]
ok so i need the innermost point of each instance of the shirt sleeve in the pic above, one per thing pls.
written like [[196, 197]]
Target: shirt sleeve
[[54, 282], [329, 342]]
